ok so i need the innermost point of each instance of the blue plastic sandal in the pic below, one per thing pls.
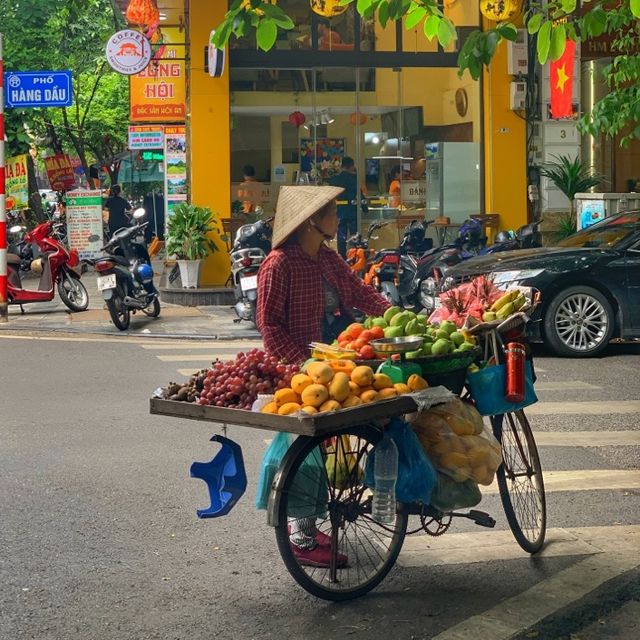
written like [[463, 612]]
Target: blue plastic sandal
[[225, 477]]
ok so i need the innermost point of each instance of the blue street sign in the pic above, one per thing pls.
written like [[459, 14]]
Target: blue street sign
[[38, 89]]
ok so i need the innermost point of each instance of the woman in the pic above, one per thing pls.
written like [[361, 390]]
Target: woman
[[395, 187], [305, 289]]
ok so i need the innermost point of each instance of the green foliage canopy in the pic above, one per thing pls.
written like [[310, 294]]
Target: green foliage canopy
[[67, 34]]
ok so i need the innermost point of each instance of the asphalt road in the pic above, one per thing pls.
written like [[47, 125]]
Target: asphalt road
[[100, 539]]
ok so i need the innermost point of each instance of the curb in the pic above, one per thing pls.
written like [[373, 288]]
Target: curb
[[129, 334]]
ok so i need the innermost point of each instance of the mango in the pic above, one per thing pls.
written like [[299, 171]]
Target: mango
[[426, 348], [320, 372], [271, 407], [379, 322], [394, 332], [412, 355], [390, 312], [402, 319], [369, 396], [382, 381], [329, 405], [467, 346], [339, 386], [286, 395], [354, 389], [351, 401], [300, 382], [413, 328], [289, 408], [362, 376], [309, 409], [416, 382], [442, 334], [401, 388], [315, 395], [387, 392]]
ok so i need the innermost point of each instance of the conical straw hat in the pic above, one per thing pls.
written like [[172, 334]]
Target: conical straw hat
[[296, 204]]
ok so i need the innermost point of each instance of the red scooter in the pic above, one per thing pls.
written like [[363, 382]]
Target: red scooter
[[55, 266]]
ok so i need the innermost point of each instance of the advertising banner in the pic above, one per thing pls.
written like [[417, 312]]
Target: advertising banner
[[84, 219], [60, 172], [158, 94], [151, 137], [17, 182], [175, 167]]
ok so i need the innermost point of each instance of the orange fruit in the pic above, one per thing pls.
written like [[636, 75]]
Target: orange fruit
[[354, 329]]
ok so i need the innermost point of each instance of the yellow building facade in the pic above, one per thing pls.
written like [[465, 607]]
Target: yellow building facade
[[387, 98]]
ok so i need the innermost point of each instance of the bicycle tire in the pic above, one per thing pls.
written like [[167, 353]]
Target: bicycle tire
[[520, 480], [345, 506]]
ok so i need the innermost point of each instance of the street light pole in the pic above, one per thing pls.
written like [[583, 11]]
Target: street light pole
[[4, 310]]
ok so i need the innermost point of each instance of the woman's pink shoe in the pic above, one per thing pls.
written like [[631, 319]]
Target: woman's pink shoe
[[319, 556]]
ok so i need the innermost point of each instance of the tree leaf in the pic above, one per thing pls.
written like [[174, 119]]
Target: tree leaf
[[635, 9], [558, 42], [431, 25], [266, 34], [544, 42], [569, 6], [508, 31], [533, 25], [446, 32], [414, 17]]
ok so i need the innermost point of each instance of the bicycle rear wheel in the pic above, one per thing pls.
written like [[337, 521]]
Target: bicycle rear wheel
[[520, 480], [325, 483]]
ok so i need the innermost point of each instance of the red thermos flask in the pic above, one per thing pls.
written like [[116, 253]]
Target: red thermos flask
[[514, 367]]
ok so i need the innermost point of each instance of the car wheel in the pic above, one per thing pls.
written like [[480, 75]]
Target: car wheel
[[578, 322]]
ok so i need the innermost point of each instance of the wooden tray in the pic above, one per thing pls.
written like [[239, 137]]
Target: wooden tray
[[308, 425]]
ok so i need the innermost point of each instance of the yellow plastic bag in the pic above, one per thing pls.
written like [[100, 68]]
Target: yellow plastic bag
[[458, 442]]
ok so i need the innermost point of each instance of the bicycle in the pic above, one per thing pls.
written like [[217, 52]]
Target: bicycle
[[304, 487]]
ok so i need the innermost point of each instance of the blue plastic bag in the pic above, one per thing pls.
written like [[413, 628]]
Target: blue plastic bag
[[270, 462], [487, 390], [416, 475]]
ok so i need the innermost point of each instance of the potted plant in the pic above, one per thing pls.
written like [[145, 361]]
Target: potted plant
[[570, 176], [187, 239]]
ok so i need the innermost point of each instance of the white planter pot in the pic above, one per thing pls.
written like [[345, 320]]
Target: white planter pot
[[189, 273]]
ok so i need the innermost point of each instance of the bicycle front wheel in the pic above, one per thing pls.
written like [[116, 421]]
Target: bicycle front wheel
[[325, 494], [520, 480]]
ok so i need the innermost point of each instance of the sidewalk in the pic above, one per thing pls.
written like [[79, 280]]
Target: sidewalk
[[206, 322]]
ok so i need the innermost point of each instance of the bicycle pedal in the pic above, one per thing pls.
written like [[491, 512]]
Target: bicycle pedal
[[481, 518]]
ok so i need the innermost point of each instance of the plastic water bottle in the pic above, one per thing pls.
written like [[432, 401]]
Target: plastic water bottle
[[385, 473]]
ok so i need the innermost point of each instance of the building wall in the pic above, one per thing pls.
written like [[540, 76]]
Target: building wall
[[208, 121], [505, 148]]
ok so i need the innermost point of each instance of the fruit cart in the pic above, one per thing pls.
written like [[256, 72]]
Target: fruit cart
[[364, 550]]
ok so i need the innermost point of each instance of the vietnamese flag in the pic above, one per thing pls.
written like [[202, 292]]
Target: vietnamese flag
[[562, 82]]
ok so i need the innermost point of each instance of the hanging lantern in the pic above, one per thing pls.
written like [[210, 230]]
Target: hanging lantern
[[327, 8], [358, 116], [500, 10], [296, 118], [143, 12]]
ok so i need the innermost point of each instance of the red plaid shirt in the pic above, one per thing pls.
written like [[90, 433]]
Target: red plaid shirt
[[291, 298]]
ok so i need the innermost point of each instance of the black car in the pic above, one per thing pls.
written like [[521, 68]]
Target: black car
[[590, 285]]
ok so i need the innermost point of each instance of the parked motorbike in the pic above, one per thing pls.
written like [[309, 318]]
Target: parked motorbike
[[54, 263], [126, 275], [250, 248], [432, 270], [391, 271]]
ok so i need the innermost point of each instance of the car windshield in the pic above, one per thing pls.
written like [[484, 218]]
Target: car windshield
[[607, 233]]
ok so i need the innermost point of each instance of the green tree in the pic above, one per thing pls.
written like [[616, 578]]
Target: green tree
[[68, 34], [552, 23]]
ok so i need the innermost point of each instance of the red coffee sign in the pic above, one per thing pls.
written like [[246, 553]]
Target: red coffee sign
[[60, 172]]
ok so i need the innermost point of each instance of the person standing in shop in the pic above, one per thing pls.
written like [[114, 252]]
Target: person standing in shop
[[347, 179]]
